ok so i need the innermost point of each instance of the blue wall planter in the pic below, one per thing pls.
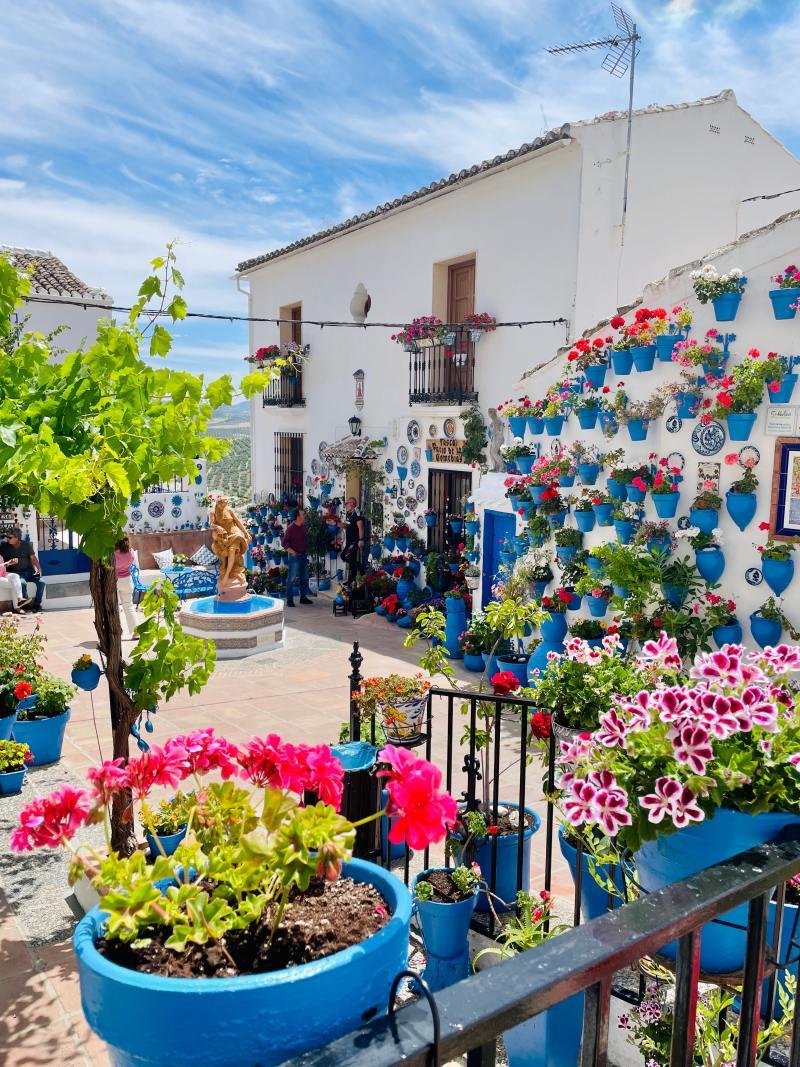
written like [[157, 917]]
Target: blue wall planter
[[705, 519], [687, 405], [622, 361], [682, 854], [456, 525], [644, 356], [635, 494], [429, 455], [595, 566], [7, 726], [430, 521], [603, 513], [588, 472], [621, 591], [388, 543], [44, 737], [564, 553], [766, 632], [625, 529], [472, 526], [587, 418], [726, 306], [556, 519], [554, 628], [741, 507], [666, 504], [740, 425], [665, 344], [403, 543], [596, 375], [504, 884], [637, 428], [455, 624], [711, 563], [778, 573], [783, 394], [608, 422], [616, 490], [404, 587], [782, 299], [519, 668], [731, 634], [594, 898], [539, 587], [566, 481], [585, 521], [169, 842], [232, 1021], [598, 606], [554, 425], [517, 425], [674, 594], [525, 464], [535, 426], [11, 782]]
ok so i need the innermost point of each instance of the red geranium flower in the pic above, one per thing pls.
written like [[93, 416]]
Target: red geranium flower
[[504, 682], [617, 322], [763, 526], [22, 690], [540, 724]]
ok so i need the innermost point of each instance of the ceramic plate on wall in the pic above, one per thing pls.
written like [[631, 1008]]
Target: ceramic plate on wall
[[412, 432], [323, 445], [449, 429], [676, 459], [411, 503], [709, 439], [155, 510], [176, 513], [136, 515], [420, 521], [674, 424], [402, 455], [433, 430], [388, 466], [315, 466], [749, 454], [753, 576], [421, 494], [416, 469]]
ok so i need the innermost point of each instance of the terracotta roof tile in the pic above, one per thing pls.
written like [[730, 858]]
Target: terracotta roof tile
[[49, 276]]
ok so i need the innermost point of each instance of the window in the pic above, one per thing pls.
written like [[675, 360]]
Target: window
[[289, 466]]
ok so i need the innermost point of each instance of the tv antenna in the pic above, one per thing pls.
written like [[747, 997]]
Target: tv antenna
[[620, 58]]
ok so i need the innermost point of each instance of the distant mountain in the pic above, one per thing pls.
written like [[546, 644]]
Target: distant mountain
[[239, 412]]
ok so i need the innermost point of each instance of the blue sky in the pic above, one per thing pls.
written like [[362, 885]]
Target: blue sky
[[237, 126]]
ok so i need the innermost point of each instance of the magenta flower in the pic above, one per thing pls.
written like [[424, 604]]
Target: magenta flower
[[611, 810], [52, 820], [663, 652], [160, 766], [205, 752], [693, 748], [260, 759], [672, 799], [421, 811], [579, 803], [325, 775], [613, 729], [108, 779]]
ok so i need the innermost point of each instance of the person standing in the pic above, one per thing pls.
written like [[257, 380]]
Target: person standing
[[20, 559], [295, 541], [124, 559], [355, 539]]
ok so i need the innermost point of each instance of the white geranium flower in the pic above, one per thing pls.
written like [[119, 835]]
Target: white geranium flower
[[690, 531], [736, 272]]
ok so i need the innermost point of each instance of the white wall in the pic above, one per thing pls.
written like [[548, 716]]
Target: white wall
[[170, 508], [81, 322]]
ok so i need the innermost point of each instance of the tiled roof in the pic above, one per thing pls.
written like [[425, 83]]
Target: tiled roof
[[49, 276]]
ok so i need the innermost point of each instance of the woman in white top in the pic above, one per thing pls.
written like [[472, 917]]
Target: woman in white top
[[18, 600]]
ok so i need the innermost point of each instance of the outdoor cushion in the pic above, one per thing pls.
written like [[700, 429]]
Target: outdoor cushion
[[204, 557], [163, 559]]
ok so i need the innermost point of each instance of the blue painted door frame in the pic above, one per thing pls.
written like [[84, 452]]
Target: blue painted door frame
[[497, 526]]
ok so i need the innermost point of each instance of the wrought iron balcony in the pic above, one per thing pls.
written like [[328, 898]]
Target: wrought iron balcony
[[443, 371], [285, 391]]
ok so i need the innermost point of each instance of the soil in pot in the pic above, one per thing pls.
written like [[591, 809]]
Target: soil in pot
[[328, 917], [444, 890]]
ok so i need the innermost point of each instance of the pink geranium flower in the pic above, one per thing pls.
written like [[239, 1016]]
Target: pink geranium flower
[[108, 779], [50, 821], [693, 748], [205, 752], [325, 775], [421, 812], [260, 759], [160, 766]]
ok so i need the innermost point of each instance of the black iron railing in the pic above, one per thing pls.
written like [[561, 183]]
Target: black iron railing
[[443, 371], [285, 391]]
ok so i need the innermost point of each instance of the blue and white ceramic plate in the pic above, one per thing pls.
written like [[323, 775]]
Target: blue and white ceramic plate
[[673, 424], [155, 510], [421, 494], [753, 576], [709, 439], [412, 432], [449, 429], [676, 459], [136, 515], [388, 466], [176, 513], [415, 469], [402, 455]]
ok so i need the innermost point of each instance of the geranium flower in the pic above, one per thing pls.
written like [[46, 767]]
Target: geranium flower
[[22, 690], [260, 760], [504, 682], [617, 322], [160, 766], [205, 752], [325, 775], [693, 748], [541, 724], [421, 812], [673, 799], [48, 822], [107, 779]]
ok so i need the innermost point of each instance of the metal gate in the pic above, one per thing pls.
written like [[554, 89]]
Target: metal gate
[[447, 495], [57, 548]]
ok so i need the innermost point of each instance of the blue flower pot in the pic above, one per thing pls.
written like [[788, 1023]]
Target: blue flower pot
[[537, 492], [44, 737], [556, 520], [404, 587], [11, 782], [554, 425], [388, 543], [726, 306], [429, 455], [679, 855], [596, 375], [588, 472], [665, 344], [521, 544], [518, 668], [608, 422], [727, 635], [389, 851], [575, 603], [741, 507], [598, 606], [766, 632], [661, 545], [587, 418], [550, 1039], [705, 519], [666, 504], [375, 550], [783, 394], [635, 494], [456, 566], [594, 642], [539, 587], [535, 425], [711, 563], [622, 361], [405, 621], [526, 508], [716, 367], [616, 490], [7, 726], [687, 405], [778, 573], [637, 428], [740, 425], [564, 553], [473, 662], [595, 566], [566, 481], [445, 926], [380, 609], [456, 526], [232, 1021], [169, 842], [525, 464], [517, 425], [472, 526], [455, 624], [403, 543], [430, 521], [554, 629], [644, 356], [594, 898], [625, 529], [490, 664], [782, 299], [674, 594], [504, 884], [391, 618], [603, 513], [621, 591]]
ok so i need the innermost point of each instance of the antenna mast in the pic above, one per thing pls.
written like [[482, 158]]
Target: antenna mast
[[620, 58]]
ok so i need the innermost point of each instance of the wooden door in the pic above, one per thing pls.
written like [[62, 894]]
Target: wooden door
[[296, 325], [460, 291], [447, 493]]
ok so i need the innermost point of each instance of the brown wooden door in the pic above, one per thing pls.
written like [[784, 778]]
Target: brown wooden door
[[297, 326], [460, 291]]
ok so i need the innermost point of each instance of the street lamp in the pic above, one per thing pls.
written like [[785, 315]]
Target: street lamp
[[354, 422]]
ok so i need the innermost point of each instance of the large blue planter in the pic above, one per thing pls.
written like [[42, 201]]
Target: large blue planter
[[687, 405], [473, 662], [456, 525], [7, 726], [782, 300], [608, 421], [504, 884], [585, 521], [783, 394], [711, 563], [539, 660], [644, 356], [594, 898], [637, 428], [554, 425], [595, 566], [587, 418], [740, 425], [517, 424], [616, 490], [455, 624], [766, 632], [430, 521], [674, 594], [726, 306], [519, 668], [635, 494], [11, 782], [554, 628], [741, 507], [445, 926], [679, 855], [666, 504], [727, 635], [404, 587], [778, 573], [169, 842], [535, 425], [665, 343], [598, 606], [566, 481], [564, 553], [622, 361], [603, 513], [588, 472], [625, 529], [705, 519], [228, 1022], [388, 543], [550, 1039], [44, 737], [88, 680], [525, 464], [596, 374]]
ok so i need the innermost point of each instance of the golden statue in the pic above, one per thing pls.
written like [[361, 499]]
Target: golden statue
[[229, 542]]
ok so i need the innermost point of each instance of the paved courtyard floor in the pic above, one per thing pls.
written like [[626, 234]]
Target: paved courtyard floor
[[300, 692]]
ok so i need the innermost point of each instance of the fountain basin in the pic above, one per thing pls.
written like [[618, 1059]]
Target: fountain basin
[[238, 628]]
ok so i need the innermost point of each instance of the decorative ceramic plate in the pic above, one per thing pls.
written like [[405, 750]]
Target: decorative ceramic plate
[[323, 445], [411, 503], [402, 455], [433, 430], [315, 466], [388, 466], [753, 576], [177, 500], [176, 513], [449, 429], [684, 523], [155, 510], [709, 439], [136, 515], [420, 521], [416, 469], [412, 432], [309, 481], [748, 454], [198, 480], [410, 483], [674, 424], [421, 493], [676, 459]]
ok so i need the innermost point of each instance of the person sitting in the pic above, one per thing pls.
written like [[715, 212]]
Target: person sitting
[[19, 558], [18, 601]]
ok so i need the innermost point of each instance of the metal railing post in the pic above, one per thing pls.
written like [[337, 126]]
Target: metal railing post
[[356, 659]]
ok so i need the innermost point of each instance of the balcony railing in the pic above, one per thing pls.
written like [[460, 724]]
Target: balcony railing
[[443, 371], [285, 391]]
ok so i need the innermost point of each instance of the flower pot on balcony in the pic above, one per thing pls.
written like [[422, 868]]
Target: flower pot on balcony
[[554, 425], [517, 425], [766, 632], [644, 356], [784, 305], [665, 345], [554, 629], [608, 423], [596, 375], [556, 521], [705, 519], [564, 553], [666, 504], [726, 306], [473, 662], [588, 473], [674, 594]]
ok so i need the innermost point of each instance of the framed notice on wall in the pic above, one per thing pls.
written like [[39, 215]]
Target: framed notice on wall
[[785, 506]]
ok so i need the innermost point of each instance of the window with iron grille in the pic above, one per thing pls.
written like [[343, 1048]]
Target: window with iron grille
[[289, 466], [177, 485]]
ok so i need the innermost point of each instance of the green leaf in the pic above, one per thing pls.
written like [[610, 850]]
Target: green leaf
[[160, 341], [177, 308], [220, 391], [8, 435], [117, 477], [150, 287]]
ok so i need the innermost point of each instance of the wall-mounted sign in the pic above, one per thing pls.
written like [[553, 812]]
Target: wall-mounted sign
[[708, 476], [781, 419], [446, 450], [358, 378]]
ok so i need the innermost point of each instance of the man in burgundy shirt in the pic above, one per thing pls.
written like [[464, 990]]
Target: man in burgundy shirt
[[295, 541]]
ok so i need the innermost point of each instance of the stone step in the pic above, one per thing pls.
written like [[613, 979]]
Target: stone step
[[57, 590]]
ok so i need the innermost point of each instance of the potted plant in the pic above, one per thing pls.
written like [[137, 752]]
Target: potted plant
[[631, 569], [86, 673], [721, 617], [704, 512], [472, 645], [784, 297], [587, 460], [522, 456], [679, 579], [515, 411], [590, 359], [583, 510], [780, 389], [553, 507], [480, 323], [708, 554], [740, 499], [587, 407], [657, 536], [397, 701], [591, 631], [597, 593], [665, 495], [668, 329], [42, 718], [724, 291], [253, 850], [568, 540], [166, 824], [476, 838], [538, 530], [777, 565], [768, 622], [444, 900], [420, 333], [626, 519], [603, 507], [741, 391], [691, 354], [14, 758], [472, 576], [538, 573]]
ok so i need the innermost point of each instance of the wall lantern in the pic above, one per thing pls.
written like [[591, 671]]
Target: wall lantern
[[354, 422]]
